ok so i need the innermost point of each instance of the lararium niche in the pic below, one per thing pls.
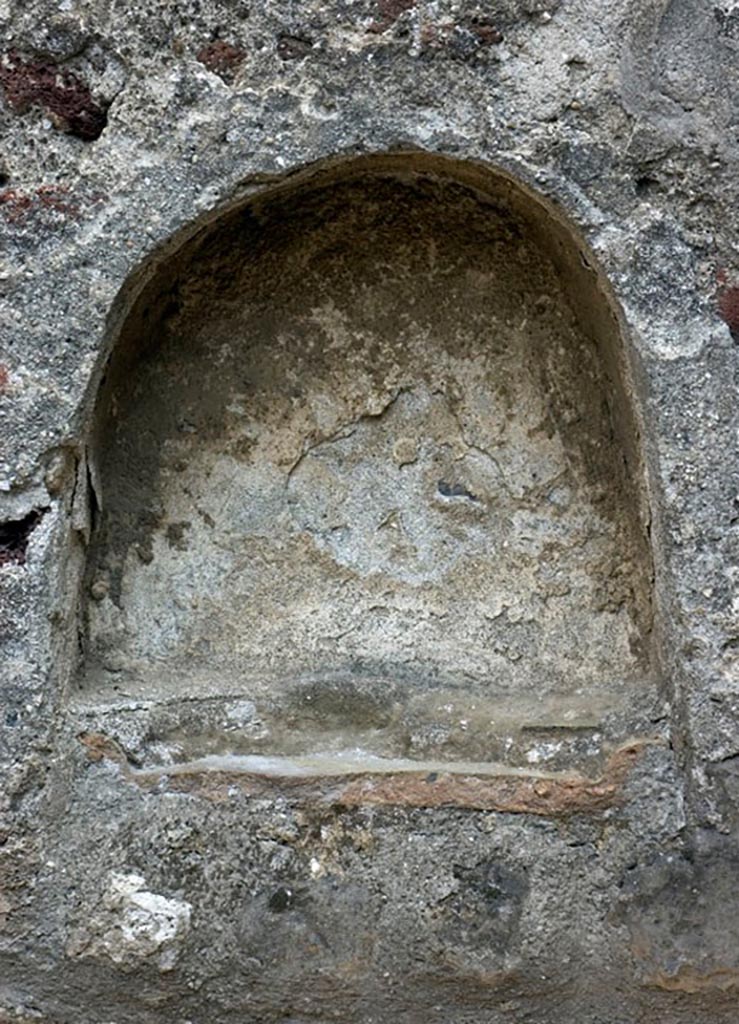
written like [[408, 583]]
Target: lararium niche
[[370, 486]]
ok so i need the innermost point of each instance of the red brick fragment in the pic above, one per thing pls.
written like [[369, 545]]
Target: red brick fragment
[[728, 306], [488, 33], [16, 204], [388, 13], [60, 93], [221, 58]]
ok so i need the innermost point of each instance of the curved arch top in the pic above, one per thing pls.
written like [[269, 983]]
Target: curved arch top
[[370, 469]]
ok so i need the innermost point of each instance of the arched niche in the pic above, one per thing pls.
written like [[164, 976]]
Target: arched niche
[[371, 480]]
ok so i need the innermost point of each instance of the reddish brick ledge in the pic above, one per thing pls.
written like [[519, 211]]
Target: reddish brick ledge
[[514, 794]]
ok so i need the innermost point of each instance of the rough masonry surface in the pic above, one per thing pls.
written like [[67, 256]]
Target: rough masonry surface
[[369, 503]]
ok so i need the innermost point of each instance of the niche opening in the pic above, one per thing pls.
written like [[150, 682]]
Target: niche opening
[[371, 483]]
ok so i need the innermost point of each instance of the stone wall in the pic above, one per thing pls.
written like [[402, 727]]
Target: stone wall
[[368, 512]]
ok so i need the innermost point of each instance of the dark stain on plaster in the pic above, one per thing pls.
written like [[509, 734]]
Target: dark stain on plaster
[[727, 21], [680, 908], [64, 96], [176, 535], [222, 58], [15, 535], [487, 907]]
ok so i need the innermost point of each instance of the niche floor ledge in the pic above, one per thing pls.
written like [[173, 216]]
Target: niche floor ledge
[[354, 779]]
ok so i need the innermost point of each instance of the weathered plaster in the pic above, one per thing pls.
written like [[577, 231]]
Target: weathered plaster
[[622, 116]]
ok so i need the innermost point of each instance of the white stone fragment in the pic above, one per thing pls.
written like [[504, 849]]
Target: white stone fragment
[[134, 925]]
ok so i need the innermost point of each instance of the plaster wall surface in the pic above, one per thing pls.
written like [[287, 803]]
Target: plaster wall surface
[[150, 868]]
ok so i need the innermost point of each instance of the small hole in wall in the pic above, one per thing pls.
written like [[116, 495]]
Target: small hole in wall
[[15, 535], [646, 184]]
